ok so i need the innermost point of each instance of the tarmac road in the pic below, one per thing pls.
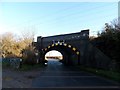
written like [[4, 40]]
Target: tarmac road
[[56, 75]]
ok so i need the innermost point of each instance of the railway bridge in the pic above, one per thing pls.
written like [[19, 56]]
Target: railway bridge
[[75, 48]]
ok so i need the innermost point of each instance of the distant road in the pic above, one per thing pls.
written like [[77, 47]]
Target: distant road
[[55, 75]]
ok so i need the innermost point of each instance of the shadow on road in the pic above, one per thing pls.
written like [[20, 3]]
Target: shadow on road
[[56, 75]]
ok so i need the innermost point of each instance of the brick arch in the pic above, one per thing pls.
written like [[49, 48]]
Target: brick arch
[[65, 49], [74, 49], [76, 43]]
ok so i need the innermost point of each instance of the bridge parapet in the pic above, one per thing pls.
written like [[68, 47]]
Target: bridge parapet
[[65, 38], [84, 34]]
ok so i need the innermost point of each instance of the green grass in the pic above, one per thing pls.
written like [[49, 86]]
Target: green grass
[[105, 73]]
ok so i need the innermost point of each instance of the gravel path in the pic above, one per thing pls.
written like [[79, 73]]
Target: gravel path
[[18, 79]]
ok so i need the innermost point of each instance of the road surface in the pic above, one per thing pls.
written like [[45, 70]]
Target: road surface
[[56, 75]]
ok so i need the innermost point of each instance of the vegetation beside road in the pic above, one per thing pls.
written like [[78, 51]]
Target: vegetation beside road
[[14, 47], [104, 73], [108, 41], [24, 67]]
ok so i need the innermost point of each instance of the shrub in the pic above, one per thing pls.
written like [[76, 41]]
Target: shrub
[[29, 56]]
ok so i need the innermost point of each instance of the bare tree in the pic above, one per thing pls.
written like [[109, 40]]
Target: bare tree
[[12, 46], [7, 43], [28, 37]]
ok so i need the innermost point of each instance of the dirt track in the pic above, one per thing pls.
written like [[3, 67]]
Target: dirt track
[[18, 79]]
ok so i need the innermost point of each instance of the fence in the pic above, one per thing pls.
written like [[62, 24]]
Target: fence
[[13, 62]]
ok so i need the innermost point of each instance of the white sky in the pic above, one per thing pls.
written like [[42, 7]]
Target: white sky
[[53, 53]]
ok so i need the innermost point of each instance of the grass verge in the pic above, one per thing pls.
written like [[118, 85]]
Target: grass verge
[[105, 73]]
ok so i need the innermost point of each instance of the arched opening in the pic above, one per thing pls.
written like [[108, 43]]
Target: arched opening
[[70, 54], [54, 56]]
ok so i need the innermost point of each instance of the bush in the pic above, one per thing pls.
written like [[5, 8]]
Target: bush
[[109, 42], [29, 56]]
